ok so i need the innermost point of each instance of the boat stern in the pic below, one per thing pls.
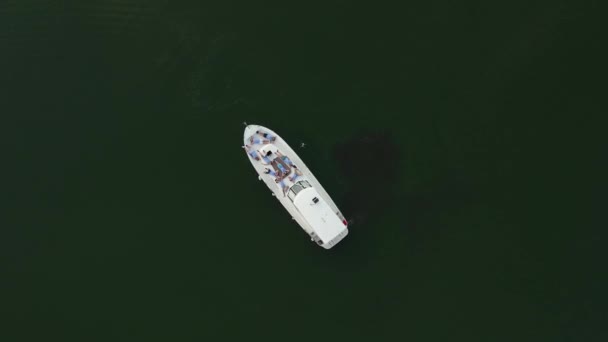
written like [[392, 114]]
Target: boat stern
[[336, 239]]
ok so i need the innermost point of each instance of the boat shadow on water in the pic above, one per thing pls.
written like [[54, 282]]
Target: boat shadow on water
[[369, 166], [372, 168]]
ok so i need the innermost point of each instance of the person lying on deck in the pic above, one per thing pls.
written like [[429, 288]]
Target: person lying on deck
[[296, 173], [283, 186], [285, 158], [272, 173], [266, 157], [258, 140], [253, 153], [281, 168], [267, 135]]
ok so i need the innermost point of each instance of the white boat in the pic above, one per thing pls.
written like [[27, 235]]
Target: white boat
[[303, 197]]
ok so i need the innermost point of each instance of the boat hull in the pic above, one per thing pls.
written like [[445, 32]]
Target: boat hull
[[287, 203]]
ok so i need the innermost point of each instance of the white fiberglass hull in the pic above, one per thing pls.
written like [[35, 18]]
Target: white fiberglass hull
[[326, 228]]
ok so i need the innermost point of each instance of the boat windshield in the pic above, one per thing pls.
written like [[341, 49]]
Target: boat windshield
[[304, 184], [293, 191], [299, 186]]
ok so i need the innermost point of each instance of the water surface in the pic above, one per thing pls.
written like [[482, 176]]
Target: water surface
[[456, 136]]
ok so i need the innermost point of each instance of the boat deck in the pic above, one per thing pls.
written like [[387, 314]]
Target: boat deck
[[271, 157]]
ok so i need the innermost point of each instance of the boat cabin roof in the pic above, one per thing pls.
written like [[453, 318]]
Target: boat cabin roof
[[326, 224]]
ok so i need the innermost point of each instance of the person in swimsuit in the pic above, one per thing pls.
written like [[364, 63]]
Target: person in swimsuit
[[296, 173], [283, 186], [258, 140], [272, 173], [252, 153], [285, 159], [267, 136], [281, 168], [266, 157]]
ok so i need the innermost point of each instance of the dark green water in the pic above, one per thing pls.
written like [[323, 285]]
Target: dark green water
[[460, 137]]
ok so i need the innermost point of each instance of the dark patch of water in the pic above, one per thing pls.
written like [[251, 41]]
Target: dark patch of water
[[369, 165]]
